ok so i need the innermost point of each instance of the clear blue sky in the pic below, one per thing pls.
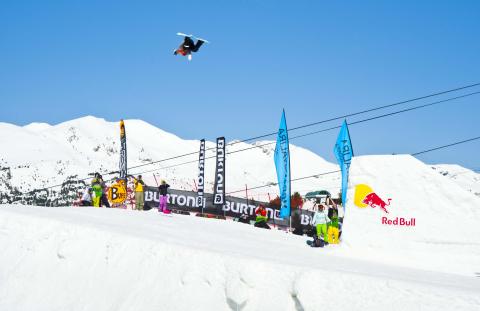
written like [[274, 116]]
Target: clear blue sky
[[61, 60]]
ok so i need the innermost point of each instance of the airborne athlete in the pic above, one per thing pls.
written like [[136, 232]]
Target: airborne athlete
[[188, 46]]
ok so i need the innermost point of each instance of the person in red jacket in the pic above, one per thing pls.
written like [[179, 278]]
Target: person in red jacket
[[262, 218], [188, 46]]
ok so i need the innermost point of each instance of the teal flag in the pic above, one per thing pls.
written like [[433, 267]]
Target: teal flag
[[282, 165], [344, 153]]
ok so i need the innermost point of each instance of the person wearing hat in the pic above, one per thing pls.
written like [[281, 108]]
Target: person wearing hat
[[320, 220], [262, 218], [139, 193], [163, 189], [97, 187]]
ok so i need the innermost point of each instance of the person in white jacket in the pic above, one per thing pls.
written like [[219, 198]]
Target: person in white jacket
[[320, 220], [86, 197]]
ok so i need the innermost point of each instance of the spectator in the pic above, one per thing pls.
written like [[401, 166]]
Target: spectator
[[139, 193], [262, 218], [86, 197], [103, 198], [97, 186], [320, 221], [163, 189], [333, 230]]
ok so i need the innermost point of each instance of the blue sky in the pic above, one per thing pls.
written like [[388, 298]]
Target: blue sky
[[61, 60]]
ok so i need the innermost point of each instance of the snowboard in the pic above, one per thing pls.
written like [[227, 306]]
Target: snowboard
[[191, 36], [312, 243], [177, 211], [163, 214]]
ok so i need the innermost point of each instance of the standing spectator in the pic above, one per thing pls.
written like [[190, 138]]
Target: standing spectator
[[320, 221], [262, 218], [163, 189], [103, 198], [86, 197], [333, 230], [97, 186], [139, 193]]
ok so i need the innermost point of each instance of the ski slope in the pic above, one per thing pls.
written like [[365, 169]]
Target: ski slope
[[465, 178], [110, 259], [85, 258]]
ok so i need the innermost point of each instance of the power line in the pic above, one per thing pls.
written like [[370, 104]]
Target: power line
[[321, 131], [319, 174], [445, 146], [390, 114], [296, 179], [304, 126], [319, 122]]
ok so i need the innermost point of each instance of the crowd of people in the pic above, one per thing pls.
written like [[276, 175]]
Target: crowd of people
[[325, 223], [96, 193]]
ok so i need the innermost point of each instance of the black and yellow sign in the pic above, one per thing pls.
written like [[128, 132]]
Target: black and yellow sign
[[117, 194]]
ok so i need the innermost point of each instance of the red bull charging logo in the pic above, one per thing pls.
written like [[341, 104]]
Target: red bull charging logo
[[365, 196]]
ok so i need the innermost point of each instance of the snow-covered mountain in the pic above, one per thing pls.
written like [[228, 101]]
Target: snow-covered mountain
[[40, 155], [464, 177]]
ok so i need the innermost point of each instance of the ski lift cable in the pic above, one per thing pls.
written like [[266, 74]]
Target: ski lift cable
[[446, 146], [320, 122], [332, 172], [292, 138], [320, 131]]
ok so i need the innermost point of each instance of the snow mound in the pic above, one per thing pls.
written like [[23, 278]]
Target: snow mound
[[110, 259], [446, 235]]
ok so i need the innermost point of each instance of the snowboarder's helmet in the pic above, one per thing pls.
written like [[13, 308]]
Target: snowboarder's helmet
[[163, 182]]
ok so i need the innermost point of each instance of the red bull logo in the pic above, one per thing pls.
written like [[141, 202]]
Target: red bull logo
[[398, 221], [365, 196]]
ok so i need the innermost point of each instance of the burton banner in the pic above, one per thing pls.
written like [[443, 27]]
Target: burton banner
[[282, 165], [201, 174], [219, 187], [234, 207], [123, 153], [344, 153]]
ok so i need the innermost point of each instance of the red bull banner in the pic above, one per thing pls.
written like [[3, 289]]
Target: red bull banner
[[365, 197]]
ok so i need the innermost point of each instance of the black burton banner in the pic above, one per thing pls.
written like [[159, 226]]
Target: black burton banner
[[123, 152], [219, 188], [233, 207], [201, 174]]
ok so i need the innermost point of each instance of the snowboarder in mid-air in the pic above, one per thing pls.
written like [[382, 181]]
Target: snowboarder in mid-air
[[188, 46]]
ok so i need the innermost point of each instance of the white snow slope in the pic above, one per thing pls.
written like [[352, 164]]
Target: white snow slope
[[466, 178], [74, 258]]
